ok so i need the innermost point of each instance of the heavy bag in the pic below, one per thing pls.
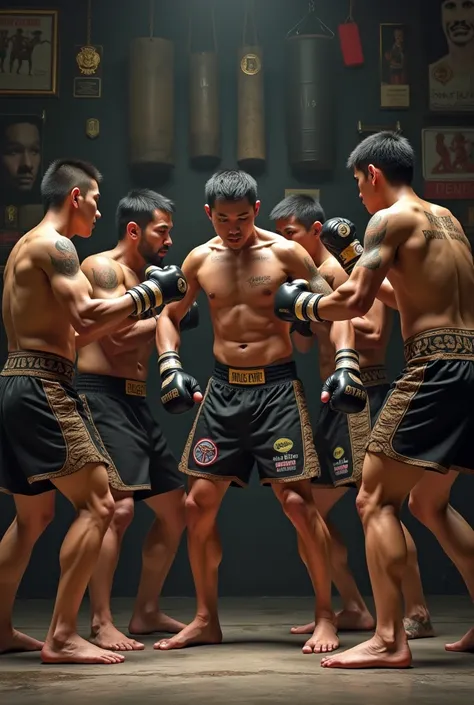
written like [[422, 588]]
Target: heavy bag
[[151, 100], [310, 84], [204, 117], [250, 98]]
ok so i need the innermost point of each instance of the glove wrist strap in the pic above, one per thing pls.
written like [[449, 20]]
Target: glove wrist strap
[[145, 296], [347, 358], [306, 307], [167, 362]]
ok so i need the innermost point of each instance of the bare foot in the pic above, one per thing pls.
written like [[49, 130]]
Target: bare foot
[[106, 636], [417, 628], [155, 622], [464, 644], [324, 638], [305, 629], [195, 634], [371, 654], [14, 641], [346, 621], [77, 650]]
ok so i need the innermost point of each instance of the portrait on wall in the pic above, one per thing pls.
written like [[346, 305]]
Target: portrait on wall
[[28, 52], [21, 140], [448, 162], [449, 31], [394, 68]]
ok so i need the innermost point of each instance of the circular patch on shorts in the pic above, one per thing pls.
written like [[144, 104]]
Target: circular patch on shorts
[[205, 452], [338, 452]]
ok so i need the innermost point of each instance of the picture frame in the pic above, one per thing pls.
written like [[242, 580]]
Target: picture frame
[[394, 66], [448, 162], [29, 52]]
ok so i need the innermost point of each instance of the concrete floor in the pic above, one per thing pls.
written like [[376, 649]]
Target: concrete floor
[[259, 662]]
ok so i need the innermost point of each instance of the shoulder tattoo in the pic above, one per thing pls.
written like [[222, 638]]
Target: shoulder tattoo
[[105, 277], [374, 238], [67, 261]]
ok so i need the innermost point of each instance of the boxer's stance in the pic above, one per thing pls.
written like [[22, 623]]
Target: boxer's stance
[[340, 438], [112, 383], [254, 407], [426, 422], [46, 437]]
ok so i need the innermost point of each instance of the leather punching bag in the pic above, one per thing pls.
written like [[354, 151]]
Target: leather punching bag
[[310, 116], [250, 99], [204, 117]]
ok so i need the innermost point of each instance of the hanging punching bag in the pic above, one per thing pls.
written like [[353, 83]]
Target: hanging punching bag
[[310, 119], [250, 100], [204, 118]]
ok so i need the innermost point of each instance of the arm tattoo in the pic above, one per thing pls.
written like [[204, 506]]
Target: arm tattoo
[[105, 277], [259, 281], [68, 263], [374, 237], [318, 284]]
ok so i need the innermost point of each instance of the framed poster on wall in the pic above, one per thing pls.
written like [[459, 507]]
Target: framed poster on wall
[[448, 162], [394, 73]]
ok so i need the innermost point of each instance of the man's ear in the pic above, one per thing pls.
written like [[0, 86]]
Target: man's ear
[[133, 229], [207, 209], [257, 207], [316, 228]]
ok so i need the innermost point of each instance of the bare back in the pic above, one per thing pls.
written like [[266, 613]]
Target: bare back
[[33, 317], [432, 272]]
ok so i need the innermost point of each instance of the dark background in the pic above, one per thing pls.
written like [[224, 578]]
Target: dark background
[[260, 556]]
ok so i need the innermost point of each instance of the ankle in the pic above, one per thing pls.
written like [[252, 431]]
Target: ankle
[[392, 636], [355, 607], [61, 634], [419, 613], [101, 620]]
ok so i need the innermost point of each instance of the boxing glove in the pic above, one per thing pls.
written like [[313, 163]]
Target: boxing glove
[[161, 287], [190, 319], [295, 302], [177, 387], [339, 237], [344, 386], [302, 328]]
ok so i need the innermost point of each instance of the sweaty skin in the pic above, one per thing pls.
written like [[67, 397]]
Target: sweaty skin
[[423, 251]]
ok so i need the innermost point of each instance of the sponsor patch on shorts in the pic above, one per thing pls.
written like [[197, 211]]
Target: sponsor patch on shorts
[[283, 445], [205, 452], [338, 452]]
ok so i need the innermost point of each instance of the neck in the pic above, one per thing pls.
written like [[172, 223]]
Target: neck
[[396, 193], [128, 257], [319, 253], [60, 221]]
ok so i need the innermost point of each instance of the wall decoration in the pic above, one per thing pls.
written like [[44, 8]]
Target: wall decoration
[[88, 65], [448, 162], [28, 52], [313, 192], [450, 54], [394, 69]]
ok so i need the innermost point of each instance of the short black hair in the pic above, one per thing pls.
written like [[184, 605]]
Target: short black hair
[[139, 205], [304, 208], [387, 151], [231, 185], [62, 176]]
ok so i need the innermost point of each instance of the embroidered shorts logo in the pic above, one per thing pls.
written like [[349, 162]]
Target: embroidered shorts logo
[[338, 452], [283, 445], [205, 452], [341, 466]]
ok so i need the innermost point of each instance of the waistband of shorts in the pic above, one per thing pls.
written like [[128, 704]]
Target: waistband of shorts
[[106, 384], [440, 344], [254, 376], [33, 363], [374, 375]]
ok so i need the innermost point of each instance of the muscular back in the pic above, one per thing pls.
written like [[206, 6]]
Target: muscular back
[[33, 317], [432, 272]]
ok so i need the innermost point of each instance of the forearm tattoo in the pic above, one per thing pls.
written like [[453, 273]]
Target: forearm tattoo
[[317, 282], [373, 241], [105, 277], [67, 263]]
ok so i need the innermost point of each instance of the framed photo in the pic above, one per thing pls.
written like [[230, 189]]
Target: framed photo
[[28, 52], [448, 162], [21, 158], [394, 66], [449, 32]]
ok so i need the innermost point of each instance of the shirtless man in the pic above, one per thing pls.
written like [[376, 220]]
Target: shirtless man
[[426, 422], [254, 408], [112, 382], [46, 438], [340, 439]]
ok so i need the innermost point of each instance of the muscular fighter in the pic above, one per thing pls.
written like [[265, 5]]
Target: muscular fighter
[[340, 438], [46, 438], [111, 380], [254, 408], [426, 422]]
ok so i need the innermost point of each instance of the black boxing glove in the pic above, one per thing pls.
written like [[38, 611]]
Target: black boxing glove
[[295, 302], [161, 287], [344, 386], [190, 319], [303, 328], [339, 237], [177, 387]]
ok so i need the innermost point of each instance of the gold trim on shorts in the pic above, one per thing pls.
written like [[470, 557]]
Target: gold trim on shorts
[[440, 344], [359, 426], [245, 376], [311, 467], [44, 365], [135, 388], [373, 376]]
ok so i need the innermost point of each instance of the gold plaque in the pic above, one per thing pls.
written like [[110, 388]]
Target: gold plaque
[[251, 64], [442, 73], [88, 60], [11, 215], [92, 128]]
